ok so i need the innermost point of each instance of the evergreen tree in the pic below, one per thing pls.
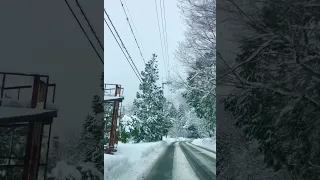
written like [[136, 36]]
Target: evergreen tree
[[181, 121], [54, 153], [149, 105], [92, 135], [172, 110], [192, 132], [173, 116]]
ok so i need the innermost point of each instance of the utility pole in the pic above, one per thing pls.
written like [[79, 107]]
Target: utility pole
[[165, 83]]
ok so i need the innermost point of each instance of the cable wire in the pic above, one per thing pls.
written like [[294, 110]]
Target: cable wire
[[85, 16], [84, 31], [121, 41], [166, 35], [122, 50], [141, 45], [132, 31], [163, 56]]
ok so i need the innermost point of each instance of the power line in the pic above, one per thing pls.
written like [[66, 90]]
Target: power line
[[84, 31], [133, 25], [155, 1], [122, 50], [132, 31], [166, 35], [84, 14], [122, 42]]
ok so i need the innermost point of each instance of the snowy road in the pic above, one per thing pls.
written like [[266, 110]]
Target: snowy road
[[182, 160]]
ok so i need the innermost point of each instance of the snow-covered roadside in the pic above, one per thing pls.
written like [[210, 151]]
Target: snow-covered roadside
[[207, 143], [133, 160]]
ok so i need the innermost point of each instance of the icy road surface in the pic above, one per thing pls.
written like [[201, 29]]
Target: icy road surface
[[171, 159], [183, 160]]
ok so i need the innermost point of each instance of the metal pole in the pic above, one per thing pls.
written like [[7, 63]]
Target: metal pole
[[18, 93], [41, 125], [46, 93], [28, 152], [35, 91], [48, 148], [54, 93], [2, 87]]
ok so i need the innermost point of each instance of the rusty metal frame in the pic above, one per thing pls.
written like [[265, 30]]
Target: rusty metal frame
[[19, 88], [30, 123], [117, 103]]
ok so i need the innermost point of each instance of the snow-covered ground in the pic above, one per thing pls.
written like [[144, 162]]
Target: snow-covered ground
[[6, 102], [207, 143], [64, 171], [131, 161]]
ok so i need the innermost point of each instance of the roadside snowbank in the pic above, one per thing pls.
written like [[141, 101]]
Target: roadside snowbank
[[207, 143], [131, 161]]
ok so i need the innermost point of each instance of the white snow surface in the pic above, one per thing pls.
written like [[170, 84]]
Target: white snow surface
[[183, 139], [112, 97], [89, 167], [64, 171], [207, 143], [132, 161], [181, 167], [7, 112], [6, 102]]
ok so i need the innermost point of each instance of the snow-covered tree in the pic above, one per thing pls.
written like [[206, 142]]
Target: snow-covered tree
[[197, 54], [149, 105], [54, 153], [276, 84], [88, 148], [170, 115], [200, 92], [181, 121]]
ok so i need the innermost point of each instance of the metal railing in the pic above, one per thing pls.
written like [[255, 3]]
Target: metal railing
[[4, 88]]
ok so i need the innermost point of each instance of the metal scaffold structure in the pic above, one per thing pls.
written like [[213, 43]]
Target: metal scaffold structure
[[113, 97], [26, 115]]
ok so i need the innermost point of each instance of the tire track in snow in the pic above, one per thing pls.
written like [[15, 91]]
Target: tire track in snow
[[182, 170], [211, 155], [210, 150], [162, 169], [203, 164]]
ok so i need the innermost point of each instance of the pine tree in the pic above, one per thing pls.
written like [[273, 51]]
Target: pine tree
[[181, 121], [192, 131], [149, 105], [92, 135], [54, 153]]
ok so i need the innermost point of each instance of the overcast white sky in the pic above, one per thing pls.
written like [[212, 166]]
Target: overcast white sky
[[53, 44], [143, 12]]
